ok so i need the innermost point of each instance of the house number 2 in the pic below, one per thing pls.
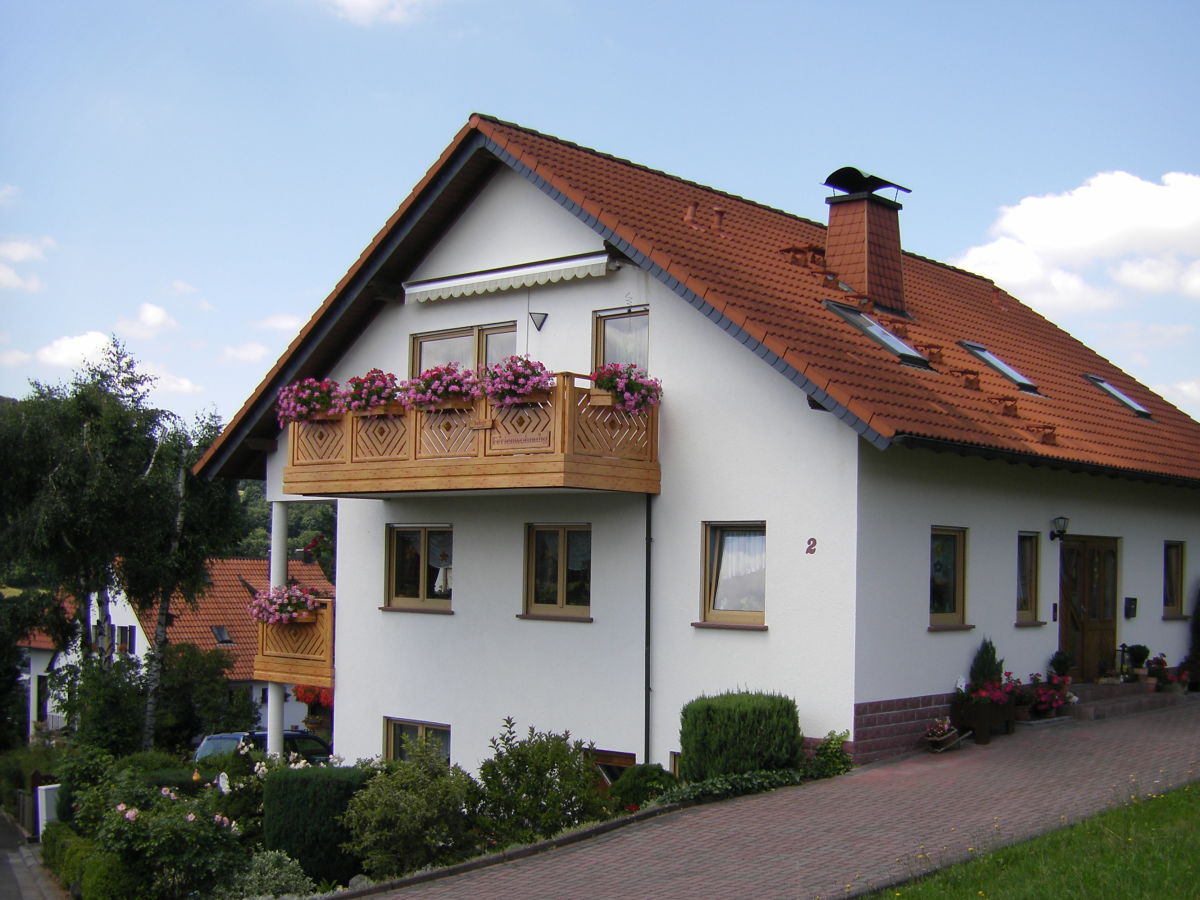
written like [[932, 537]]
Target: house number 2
[[812, 546]]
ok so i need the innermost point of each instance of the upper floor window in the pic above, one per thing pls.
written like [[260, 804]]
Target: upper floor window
[[470, 347], [623, 336], [420, 566], [1027, 577], [947, 563], [735, 572], [559, 570], [1173, 578], [987, 356]]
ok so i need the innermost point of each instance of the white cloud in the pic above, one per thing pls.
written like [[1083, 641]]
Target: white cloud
[[14, 357], [72, 352], [179, 286], [11, 281], [21, 250], [151, 321], [8, 193], [1091, 247], [169, 383], [371, 12], [282, 322], [1184, 394], [248, 352]]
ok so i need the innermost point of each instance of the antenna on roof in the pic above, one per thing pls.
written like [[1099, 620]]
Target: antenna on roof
[[856, 181]]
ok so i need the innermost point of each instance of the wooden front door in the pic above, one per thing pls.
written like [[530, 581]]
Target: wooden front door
[[1087, 616]]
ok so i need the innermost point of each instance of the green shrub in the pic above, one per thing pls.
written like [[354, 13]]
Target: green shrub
[[419, 813], [270, 873], [12, 779], [738, 732], [830, 759], [985, 667], [106, 878], [1060, 663], [82, 767], [1138, 654], [536, 786], [639, 784], [721, 786], [76, 851], [149, 761], [55, 838], [302, 816]]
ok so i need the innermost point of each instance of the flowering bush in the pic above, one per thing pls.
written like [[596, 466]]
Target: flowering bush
[[313, 695], [940, 728], [434, 386], [633, 390], [1000, 692], [279, 605], [376, 388], [1156, 666], [511, 381], [1049, 695], [302, 401]]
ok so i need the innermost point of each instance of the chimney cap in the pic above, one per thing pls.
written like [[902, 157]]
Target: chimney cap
[[856, 181]]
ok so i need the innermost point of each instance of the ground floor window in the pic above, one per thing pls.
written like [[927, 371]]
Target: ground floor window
[[1173, 578], [397, 731], [1027, 577], [559, 570], [735, 572], [947, 561]]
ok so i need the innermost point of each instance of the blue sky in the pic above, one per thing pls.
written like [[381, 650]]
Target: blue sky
[[195, 177]]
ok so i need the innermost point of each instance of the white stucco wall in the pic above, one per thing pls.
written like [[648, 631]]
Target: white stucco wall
[[903, 494]]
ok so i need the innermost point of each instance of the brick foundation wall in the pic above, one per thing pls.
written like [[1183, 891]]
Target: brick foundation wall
[[884, 728]]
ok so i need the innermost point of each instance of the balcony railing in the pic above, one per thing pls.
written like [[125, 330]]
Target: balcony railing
[[572, 437], [298, 652]]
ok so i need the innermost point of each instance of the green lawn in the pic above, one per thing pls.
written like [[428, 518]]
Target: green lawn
[[1145, 849]]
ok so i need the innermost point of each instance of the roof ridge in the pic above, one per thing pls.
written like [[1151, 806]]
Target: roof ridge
[[647, 169]]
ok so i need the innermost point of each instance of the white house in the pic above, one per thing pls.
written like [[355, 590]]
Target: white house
[[851, 480]]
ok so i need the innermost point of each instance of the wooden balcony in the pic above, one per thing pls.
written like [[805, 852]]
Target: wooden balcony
[[569, 438], [298, 652]]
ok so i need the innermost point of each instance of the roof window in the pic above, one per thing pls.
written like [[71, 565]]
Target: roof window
[[1121, 396], [983, 353], [879, 334], [221, 633]]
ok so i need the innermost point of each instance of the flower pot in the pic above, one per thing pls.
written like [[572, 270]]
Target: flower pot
[[1022, 712], [601, 397], [447, 403], [303, 617], [943, 742]]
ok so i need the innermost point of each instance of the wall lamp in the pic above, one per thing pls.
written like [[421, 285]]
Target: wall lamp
[[538, 319], [1058, 528]]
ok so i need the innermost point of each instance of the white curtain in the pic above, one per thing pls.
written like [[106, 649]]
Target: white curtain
[[740, 570]]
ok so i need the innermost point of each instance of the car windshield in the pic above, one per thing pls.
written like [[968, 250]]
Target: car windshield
[[217, 745], [309, 746]]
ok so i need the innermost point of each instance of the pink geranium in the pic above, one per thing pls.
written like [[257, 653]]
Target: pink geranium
[[279, 605], [511, 381], [435, 386], [633, 390]]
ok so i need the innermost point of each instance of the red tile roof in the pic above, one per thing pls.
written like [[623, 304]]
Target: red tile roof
[[234, 582], [749, 269]]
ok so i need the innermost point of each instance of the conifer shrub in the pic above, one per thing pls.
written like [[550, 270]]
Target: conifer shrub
[[302, 816], [985, 667], [739, 732]]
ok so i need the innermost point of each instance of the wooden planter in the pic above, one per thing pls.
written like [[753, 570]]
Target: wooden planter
[[601, 397], [943, 743], [304, 617]]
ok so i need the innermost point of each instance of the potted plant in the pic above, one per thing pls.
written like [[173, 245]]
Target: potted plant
[[442, 387], [987, 699], [1156, 669], [625, 387], [367, 393], [1049, 696], [1137, 655], [941, 735], [305, 400], [516, 380], [283, 604]]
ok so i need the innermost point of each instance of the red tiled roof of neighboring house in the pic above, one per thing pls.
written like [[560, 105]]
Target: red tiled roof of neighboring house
[[750, 269], [234, 581], [39, 640]]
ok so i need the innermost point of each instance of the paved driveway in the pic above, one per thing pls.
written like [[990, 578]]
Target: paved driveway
[[865, 830]]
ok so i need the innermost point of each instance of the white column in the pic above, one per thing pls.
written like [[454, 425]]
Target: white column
[[278, 579]]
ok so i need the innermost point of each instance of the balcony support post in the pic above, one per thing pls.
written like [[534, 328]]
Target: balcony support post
[[279, 563]]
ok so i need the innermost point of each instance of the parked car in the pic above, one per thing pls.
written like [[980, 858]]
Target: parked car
[[308, 745]]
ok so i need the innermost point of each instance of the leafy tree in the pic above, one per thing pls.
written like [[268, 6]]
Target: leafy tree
[[197, 698], [105, 702], [311, 527]]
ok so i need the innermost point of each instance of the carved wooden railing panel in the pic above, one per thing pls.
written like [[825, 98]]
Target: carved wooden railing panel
[[568, 438], [298, 652]]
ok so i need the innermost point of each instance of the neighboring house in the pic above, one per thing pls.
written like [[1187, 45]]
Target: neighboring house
[[852, 479], [218, 621]]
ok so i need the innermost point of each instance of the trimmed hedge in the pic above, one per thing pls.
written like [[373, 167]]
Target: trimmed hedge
[[302, 813], [739, 732], [106, 878], [639, 784]]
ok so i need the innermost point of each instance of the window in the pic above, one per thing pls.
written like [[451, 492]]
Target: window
[[559, 570], [396, 730], [470, 347], [1027, 577], [623, 336], [735, 572], [126, 638], [947, 555], [420, 570], [1119, 395], [221, 634], [981, 352], [1173, 578], [879, 334]]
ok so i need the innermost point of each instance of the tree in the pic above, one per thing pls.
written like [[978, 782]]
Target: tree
[[197, 698], [311, 527]]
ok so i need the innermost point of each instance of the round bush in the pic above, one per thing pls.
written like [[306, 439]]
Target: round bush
[[639, 784]]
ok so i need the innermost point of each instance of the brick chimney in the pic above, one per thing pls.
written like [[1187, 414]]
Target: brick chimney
[[862, 244]]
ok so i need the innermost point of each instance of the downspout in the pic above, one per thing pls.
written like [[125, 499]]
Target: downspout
[[649, 545]]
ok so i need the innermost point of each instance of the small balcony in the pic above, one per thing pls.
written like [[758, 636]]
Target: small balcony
[[298, 652], [571, 437]]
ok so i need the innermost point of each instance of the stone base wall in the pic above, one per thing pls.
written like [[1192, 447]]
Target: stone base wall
[[884, 728]]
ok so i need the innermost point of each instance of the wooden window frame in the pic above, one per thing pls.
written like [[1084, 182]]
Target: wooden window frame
[[958, 615], [1033, 541], [425, 602], [1173, 580], [711, 532], [600, 317], [478, 334], [561, 609], [390, 748]]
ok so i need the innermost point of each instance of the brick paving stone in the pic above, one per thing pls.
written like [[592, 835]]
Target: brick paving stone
[[880, 824]]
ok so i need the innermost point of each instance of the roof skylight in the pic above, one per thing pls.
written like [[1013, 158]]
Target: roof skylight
[[1121, 396], [983, 353], [877, 332]]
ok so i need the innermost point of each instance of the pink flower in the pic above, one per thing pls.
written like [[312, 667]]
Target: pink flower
[[191, 817], [131, 814]]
